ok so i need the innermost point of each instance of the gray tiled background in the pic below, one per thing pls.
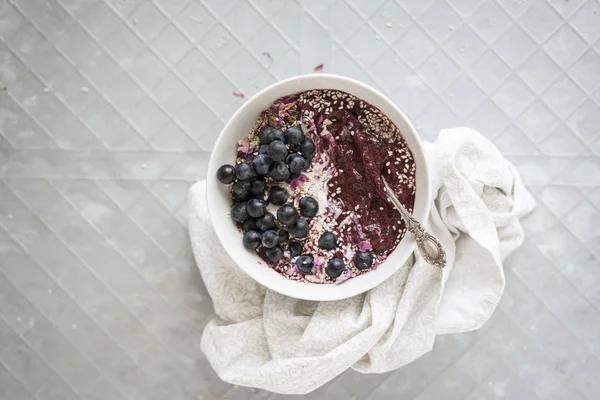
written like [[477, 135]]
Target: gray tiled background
[[109, 109]]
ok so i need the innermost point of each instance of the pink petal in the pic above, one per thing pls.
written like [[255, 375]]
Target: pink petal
[[345, 276], [319, 264], [318, 260], [365, 246], [319, 68], [238, 94], [244, 146], [298, 182]]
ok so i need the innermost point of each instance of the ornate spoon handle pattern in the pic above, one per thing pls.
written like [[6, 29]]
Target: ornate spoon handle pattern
[[429, 246]]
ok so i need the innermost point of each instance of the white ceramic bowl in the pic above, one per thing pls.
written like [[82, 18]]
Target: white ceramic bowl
[[219, 205]]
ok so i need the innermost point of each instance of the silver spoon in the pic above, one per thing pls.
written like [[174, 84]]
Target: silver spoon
[[429, 246]]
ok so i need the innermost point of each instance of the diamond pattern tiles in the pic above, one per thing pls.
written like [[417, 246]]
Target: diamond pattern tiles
[[108, 112]]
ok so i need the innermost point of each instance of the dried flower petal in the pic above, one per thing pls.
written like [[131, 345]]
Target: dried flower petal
[[345, 276], [294, 184], [319, 68], [268, 57], [365, 245], [244, 146], [318, 264], [238, 94]]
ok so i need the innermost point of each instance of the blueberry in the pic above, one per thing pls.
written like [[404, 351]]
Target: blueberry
[[305, 263], [258, 186], [287, 214], [266, 222], [270, 239], [280, 171], [226, 174], [327, 241], [263, 149], [249, 225], [249, 157], [241, 198], [296, 163], [278, 195], [266, 135], [241, 188], [295, 248], [294, 135], [363, 259], [274, 253], [335, 267], [308, 207], [299, 229], [251, 240], [307, 148], [244, 171], [284, 236], [259, 196], [278, 135], [277, 150], [256, 208], [262, 164], [308, 162], [239, 212]]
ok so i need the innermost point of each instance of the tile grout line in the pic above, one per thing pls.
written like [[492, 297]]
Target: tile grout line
[[118, 298], [77, 70], [34, 306], [11, 373], [57, 93], [159, 248], [52, 368]]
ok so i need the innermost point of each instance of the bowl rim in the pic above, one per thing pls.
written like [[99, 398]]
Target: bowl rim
[[294, 288]]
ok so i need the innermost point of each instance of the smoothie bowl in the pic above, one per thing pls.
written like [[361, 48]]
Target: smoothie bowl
[[295, 191]]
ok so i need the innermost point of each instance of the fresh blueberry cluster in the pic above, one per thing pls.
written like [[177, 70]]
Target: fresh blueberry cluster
[[282, 156]]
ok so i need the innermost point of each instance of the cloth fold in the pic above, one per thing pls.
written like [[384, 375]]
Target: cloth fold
[[266, 340]]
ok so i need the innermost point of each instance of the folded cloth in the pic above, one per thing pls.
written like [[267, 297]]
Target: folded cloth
[[266, 340]]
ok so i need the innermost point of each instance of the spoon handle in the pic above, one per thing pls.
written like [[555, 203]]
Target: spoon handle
[[429, 246]]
